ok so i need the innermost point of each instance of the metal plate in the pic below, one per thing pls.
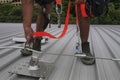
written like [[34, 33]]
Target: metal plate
[[19, 39], [23, 40], [44, 70]]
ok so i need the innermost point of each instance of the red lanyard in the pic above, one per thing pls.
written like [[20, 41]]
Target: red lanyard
[[82, 9], [76, 9], [58, 2]]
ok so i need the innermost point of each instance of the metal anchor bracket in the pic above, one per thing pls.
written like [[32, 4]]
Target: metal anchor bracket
[[34, 68], [43, 71]]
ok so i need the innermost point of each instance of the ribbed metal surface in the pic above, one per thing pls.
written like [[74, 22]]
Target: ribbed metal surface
[[104, 41]]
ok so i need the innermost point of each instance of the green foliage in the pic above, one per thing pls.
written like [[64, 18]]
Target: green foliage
[[15, 11], [112, 16], [11, 13]]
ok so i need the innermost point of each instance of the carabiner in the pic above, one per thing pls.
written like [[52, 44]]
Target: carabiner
[[59, 8]]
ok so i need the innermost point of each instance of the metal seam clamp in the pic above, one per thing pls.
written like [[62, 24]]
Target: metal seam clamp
[[35, 67]]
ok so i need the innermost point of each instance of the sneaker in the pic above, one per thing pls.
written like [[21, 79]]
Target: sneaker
[[86, 51]]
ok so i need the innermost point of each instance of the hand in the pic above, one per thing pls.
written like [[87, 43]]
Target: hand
[[28, 34]]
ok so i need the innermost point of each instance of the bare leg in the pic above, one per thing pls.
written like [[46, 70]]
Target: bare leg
[[41, 23], [84, 24], [40, 18]]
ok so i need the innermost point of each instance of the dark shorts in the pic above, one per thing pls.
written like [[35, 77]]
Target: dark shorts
[[44, 2]]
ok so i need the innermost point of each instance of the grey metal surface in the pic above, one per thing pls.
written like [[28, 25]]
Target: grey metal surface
[[104, 40], [44, 70]]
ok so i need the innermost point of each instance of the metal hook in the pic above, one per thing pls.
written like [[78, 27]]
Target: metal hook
[[59, 7]]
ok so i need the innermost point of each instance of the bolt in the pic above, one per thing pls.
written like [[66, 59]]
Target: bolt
[[44, 72], [40, 79]]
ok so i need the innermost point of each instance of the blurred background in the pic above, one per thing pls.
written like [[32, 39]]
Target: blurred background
[[10, 11]]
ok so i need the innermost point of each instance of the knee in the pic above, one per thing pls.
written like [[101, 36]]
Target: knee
[[27, 1], [84, 19]]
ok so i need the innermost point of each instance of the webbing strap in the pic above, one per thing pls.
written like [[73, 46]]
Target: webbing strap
[[58, 2], [76, 11], [39, 34], [83, 10]]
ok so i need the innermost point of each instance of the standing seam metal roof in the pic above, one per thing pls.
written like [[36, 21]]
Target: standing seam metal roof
[[104, 41]]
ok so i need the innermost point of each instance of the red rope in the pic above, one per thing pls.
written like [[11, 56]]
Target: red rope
[[76, 11], [58, 2], [83, 10], [39, 34]]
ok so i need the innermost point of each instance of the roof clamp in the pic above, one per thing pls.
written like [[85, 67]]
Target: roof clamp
[[36, 67]]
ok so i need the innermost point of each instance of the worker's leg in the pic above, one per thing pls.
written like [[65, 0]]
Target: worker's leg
[[84, 28], [84, 24], [43, 16], [42, 22]]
